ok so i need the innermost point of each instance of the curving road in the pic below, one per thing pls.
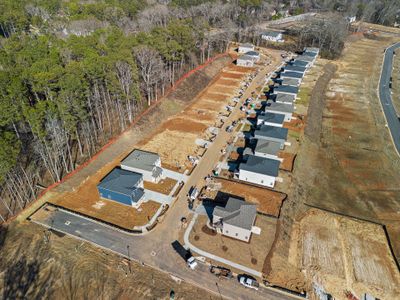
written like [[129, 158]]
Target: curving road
[[392, 119]]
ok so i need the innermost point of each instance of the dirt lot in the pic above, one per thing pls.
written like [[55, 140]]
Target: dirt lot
[[107, 210], [342, 254], [288, 161], [250, 254], [164, 186], [38, 264], [268, 201], [348, 165]]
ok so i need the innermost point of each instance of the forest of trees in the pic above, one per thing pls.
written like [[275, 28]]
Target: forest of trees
[[75, 73]]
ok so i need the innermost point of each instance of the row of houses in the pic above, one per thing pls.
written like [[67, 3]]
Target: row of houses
[[124, 184], [261, 161]]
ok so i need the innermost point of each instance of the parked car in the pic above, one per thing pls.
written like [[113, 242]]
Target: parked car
[[185, 254], [248, 281], [191, 262], [193, 193]]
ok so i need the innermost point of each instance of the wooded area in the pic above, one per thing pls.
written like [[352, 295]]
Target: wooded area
[[75, 73]]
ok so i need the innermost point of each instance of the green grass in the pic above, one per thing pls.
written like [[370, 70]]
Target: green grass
[[294, 134], [304, 95], [246, 127]]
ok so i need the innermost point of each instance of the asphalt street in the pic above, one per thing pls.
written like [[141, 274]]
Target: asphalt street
[[131, 246], [391, 116]]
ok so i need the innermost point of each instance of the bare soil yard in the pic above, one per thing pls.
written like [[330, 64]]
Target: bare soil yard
[[110, 211], [250, 254], [164, 186]]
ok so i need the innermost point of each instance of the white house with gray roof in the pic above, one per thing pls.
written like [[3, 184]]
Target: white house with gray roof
[[286, 99], [268, 149], [271, 119], [236, 219], [245, 61], [146, 163], [285, 109], [286, 89], [271, 133], [243, 48], [259, 170], [273, 36]]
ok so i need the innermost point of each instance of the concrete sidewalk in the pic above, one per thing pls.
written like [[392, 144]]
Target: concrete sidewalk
[[214, 257]]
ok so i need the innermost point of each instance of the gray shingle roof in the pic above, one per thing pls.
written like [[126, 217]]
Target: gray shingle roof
[[280, 107], [272, 131], [286, 89], [268, 147], [312, 49], [123, 182], [300, 63], [295, 68], [285, 98], [271, 33], [252, 53], [292, 75], [246, 57], [272, 118], [290, 81], [305, 58], [237, 213], [309, 53], [247, 45], [261, 165], [141, 160]]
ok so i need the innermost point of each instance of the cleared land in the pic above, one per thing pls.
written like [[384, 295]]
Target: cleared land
[[38, 264], [346, 165], [342, 254], [268, 201], [192, 123], [250, 254]]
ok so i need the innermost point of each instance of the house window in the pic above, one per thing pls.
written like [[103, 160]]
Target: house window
[[246, 237], [236, 234], [262, 181], [226, 231]]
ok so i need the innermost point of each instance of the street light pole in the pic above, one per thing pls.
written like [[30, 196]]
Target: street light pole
[[129, 260]]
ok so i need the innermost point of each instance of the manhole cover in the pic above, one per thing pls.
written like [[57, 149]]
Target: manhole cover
[[153, 253]]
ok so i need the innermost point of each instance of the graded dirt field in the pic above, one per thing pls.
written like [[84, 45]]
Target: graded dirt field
[[250, 254], [346, 164], [39, 264], [184, 128], [341, 254], [268, 201]]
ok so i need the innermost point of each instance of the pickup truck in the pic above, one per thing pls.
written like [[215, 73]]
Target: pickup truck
[[221, 271], [248, 281], [185, 254], [193, 193]]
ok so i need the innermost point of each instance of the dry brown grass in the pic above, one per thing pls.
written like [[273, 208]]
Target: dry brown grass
[[164, 186], [110, 211]]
